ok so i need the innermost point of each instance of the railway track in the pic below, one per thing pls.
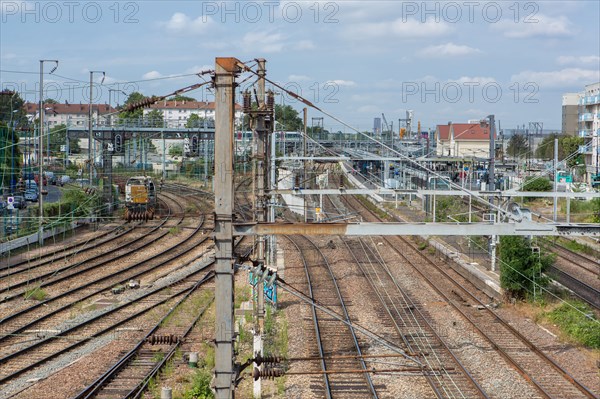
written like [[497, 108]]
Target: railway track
[[331, 338], [130, 375], [580, 289], [549, 379], [107, 278], [414, 329], [14, 336], [50, 348], [44, 313]]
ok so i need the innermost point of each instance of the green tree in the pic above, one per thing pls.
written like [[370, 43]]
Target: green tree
[[58, 137], [194, 121], [545, 149], [537, 184], [12, 112], [287, 118], [522, 268], [517, 146], [50, 101], [133, 98], [10, 155], [567, 146], [183, 98], [176, 150], [154, 118]]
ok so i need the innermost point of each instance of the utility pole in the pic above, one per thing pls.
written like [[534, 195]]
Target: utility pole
[[492, 182], [41, 148], [555, 178], [92, 155], [225, 72], [304, 154], [260, 207]]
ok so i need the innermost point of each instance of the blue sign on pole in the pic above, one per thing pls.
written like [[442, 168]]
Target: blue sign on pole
[[271, 293]]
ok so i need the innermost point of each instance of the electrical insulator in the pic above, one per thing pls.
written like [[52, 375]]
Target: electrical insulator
[[146, 102], [266, 373], [259, 359], [247, 102], [270, 101]]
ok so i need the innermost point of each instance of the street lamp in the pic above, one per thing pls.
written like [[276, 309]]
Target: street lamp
[[41, 146], [91, 138]]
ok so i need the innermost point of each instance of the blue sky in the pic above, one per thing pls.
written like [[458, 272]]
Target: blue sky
[[447, 61]]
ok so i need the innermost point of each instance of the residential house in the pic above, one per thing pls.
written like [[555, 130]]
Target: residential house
[[70, 114], [176, 113], [463, 140]]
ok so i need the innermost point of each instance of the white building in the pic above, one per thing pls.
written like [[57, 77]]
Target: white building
[[589, 126], [570, 114], [69, 114], [176, 113]]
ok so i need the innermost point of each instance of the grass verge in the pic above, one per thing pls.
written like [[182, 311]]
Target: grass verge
[[577, 322]]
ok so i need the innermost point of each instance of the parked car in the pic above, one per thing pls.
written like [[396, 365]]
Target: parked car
[[20, 202], [29, 185], [64, 179], [31, 195], [50, 177]]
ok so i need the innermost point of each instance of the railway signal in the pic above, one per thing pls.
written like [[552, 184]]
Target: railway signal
[[118, 147], [195, 142]]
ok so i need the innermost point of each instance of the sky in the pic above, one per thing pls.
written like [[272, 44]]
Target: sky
[[445, 60]]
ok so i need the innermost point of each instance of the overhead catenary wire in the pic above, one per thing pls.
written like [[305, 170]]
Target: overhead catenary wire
[[404, 157]]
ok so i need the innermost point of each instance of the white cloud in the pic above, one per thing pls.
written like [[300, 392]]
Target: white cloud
[[584, 59], [264, 42], [540, 25], [305, 45], [470, 80], [340, 82], [567, 77], [448, 50], [297, 78], [180, 23], [198, 69], [152, 75], [399, 28]]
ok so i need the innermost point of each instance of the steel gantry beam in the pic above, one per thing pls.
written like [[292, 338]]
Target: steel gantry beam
[[224, 81], [418, 229], [389, 191]]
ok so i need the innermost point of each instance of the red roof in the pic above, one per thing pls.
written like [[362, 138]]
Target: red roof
[[464, 132], [32, 108]]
